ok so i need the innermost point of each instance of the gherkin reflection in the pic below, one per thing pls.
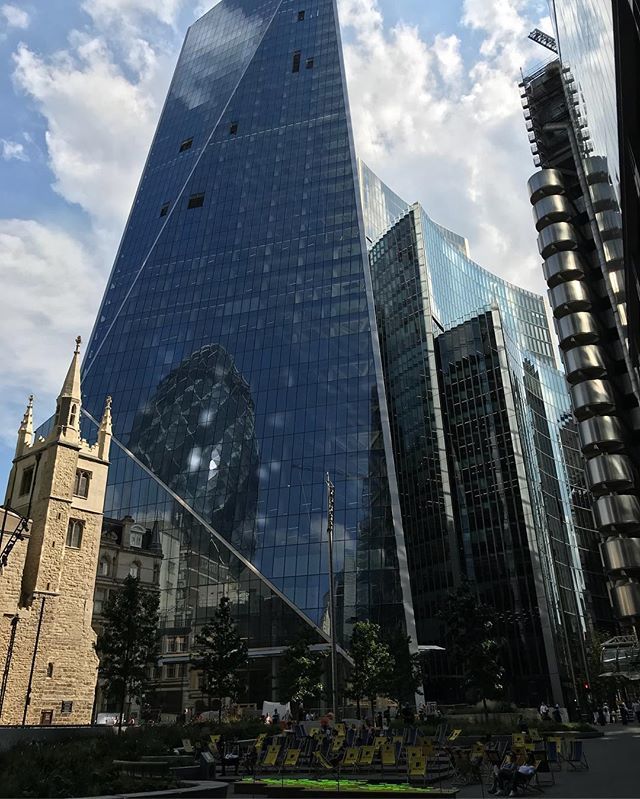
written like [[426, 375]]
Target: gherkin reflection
[[197, 434]]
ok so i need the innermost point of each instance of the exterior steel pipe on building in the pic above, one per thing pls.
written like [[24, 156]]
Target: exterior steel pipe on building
[[592, 398], [626, 599], [545, 182], [569, 297], [596, 169], [601, 434], [603, 197], [584, 363], [558, 237], [576, 329], [613, 254], [621, 554], [610, 473], [550, 209], [609, 224], [562, 267]]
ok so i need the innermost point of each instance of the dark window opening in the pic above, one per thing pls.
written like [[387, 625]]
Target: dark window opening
[[196, 201], [164, 210], [186, 145], [25, 482], [309, 63], [296, 61], [300, 16], [233, 128]]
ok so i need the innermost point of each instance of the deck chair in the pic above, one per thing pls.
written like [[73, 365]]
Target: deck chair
[[350, 757], [290, 759], [389, 756], [320, 760], [455, 734], [575, 756], [187, 746], [416, 763], [341, 728], [337, 744], [271, 756], [259, 741], [535, 735], [517, 740], [552, 748], [367, 753]]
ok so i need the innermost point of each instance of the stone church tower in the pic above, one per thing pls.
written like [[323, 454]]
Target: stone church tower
[[48, 665]]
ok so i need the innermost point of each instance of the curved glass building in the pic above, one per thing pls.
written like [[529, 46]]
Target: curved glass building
[[492, 488]]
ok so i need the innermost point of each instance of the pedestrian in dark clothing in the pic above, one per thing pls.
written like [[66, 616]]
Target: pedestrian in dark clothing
[[387, 715], [557, 715], [601, 719]]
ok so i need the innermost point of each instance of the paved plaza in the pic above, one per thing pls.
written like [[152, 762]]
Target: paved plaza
[[614, 770]]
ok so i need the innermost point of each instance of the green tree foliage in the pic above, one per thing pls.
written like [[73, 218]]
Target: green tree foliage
[[372, 664], [472, 645], [220, 655], [601, 689], [404, 680], [301, 672], [128, 642]]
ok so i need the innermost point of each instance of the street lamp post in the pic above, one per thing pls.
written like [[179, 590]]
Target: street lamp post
[[331, 493]]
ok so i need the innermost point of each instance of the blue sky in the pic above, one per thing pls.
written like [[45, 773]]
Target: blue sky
[[433, 90]]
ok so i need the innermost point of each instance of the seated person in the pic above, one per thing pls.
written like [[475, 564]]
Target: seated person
[[523, 774], [503, 777]]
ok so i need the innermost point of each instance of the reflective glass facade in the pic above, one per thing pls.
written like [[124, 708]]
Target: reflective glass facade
[[491, 483], [584, 31], [237, 337]]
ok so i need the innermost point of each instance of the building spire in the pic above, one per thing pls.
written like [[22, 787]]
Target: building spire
[[105, 432], [71, 385], [25, 431], [67, 422]]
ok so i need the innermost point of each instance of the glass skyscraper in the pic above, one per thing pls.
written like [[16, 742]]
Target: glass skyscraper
[[237, 336], [491, 485]]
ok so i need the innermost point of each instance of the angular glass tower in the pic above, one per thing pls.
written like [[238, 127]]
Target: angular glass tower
[[237, 336]]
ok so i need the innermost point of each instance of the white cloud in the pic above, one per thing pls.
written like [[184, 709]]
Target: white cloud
[[13, 151], [450, 134], [110, 11], [99, 121], [50, 291], [15, 17]]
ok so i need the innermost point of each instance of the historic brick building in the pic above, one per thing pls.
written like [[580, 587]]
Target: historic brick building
[[48, 664]]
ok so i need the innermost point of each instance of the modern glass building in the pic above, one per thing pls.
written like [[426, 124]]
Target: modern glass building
[[237, 335], [491, 485]]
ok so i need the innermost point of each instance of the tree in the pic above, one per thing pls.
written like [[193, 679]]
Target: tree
[[128, 641], [301, 672], [220, 654], [372, 663], [472, 644], [405, 678]]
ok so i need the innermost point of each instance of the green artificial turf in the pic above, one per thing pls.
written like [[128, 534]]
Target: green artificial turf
[[345, 785]]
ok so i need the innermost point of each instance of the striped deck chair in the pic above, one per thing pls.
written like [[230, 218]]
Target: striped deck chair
[[552, 748], [574, 756]]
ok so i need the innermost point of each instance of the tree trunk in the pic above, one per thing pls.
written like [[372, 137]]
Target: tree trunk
[[122, 701], [486, 709], [358, 706]]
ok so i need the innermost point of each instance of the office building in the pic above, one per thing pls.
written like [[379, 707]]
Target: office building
[[237, 334], [571, 114], [491, 486]]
